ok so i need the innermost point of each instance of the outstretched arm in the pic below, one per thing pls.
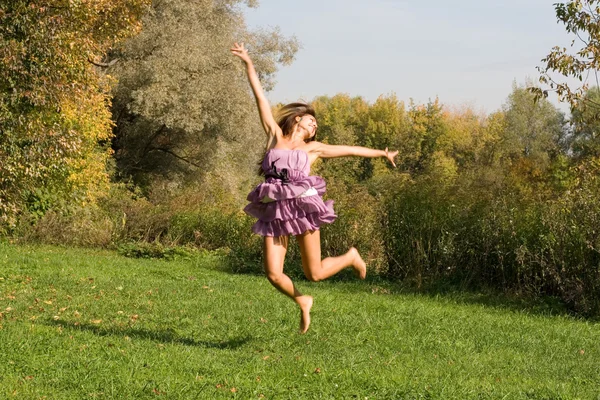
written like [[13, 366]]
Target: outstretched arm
[[264, 109], [331, 151]]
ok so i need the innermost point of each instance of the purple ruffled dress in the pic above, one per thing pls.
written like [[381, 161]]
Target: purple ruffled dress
[[289, 201]]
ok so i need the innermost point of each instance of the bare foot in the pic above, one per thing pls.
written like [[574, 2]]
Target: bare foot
[[305, 303], [360, 267]]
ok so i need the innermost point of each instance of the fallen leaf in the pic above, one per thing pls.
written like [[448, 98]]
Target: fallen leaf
[[266, 357], [233, 390], [134, 317], [96, 321], [317, 370], [263, 320]]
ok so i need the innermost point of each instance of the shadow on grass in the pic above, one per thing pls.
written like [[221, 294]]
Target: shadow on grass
[[443, 290], [492, 298], [164, 336]]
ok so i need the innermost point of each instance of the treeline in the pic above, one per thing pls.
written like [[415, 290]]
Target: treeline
[[508, 200], [154, 140]]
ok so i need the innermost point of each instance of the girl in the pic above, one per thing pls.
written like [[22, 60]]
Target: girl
[[289, 202]]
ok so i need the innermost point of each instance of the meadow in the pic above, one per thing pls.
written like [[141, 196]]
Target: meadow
[[80, 323]]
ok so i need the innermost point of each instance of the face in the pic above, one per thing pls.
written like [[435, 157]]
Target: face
[[307, 123]]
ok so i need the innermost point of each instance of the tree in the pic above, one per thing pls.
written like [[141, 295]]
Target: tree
[[582, 19], [54, 117], [533, 129], [182, 106], [533, 140]]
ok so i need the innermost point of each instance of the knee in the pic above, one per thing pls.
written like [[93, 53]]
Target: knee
[[313, 276], [274, 278]]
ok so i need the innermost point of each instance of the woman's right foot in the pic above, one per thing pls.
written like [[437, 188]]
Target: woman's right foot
[[360, 267], [305, 303]]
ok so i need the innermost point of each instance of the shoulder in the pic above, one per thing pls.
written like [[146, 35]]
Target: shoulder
[[313, 148]]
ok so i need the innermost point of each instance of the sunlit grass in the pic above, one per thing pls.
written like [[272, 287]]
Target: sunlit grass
[[79, 324]]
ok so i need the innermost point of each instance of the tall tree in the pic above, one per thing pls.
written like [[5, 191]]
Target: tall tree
[[182, 106], [54, 117], [534, 130]]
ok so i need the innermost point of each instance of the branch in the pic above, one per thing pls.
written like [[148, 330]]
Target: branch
[[592, 102], [176, 156], [102, 65], [207, 71]]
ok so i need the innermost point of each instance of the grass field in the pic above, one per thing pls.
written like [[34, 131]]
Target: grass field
[[79, 324]]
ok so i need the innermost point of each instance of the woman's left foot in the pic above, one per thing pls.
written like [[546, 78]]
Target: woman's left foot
[[360, 267], [305, 303]]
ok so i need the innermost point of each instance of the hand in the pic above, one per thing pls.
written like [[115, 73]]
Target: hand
[[390, 155], [241, 52]]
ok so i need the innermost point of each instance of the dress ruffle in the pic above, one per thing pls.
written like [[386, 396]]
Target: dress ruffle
[[283, 208], [291, 216]]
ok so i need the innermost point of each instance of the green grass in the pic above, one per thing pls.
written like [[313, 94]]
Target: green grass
[[80, 324]]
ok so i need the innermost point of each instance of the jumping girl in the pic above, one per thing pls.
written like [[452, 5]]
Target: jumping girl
[[289, 202]]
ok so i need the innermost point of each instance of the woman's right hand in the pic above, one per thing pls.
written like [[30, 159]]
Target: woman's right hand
[[241, 52]]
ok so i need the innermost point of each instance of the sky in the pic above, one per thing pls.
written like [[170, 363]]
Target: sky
[[465, 52]]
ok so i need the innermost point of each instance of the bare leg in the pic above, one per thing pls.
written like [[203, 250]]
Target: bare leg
[[275, 249], [316, 269]]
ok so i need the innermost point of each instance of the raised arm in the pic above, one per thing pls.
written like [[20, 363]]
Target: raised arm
[[264, 109], [332, 151]]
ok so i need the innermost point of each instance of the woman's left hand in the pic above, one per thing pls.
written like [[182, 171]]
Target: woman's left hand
[[390, 155]]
